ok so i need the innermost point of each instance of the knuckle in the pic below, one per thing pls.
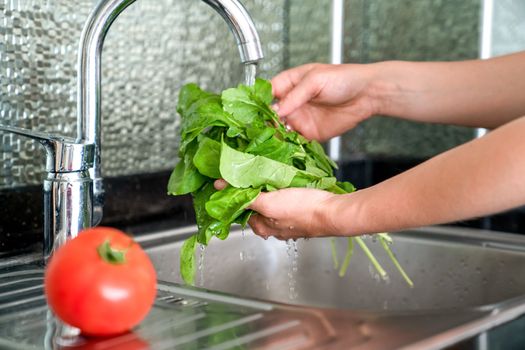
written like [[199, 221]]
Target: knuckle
[[256, 225]]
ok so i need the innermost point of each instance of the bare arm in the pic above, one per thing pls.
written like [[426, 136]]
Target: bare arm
[[481, 177], [478, 178], [480, 93], [321, 101]]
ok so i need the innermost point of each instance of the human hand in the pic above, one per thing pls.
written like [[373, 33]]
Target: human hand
[[291, 213], [321, 100]]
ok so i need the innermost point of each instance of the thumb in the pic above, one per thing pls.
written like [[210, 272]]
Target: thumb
[[261, 203]]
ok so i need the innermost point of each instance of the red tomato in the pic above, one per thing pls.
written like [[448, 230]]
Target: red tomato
[[101, 282]]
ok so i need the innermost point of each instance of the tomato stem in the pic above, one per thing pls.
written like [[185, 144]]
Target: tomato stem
[[110, 254]]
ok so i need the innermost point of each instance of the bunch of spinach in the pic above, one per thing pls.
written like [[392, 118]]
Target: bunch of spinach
[[236, 136]]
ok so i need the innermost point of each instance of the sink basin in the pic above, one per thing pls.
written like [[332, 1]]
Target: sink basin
[[466, 281], [451, 269], [257, 294]]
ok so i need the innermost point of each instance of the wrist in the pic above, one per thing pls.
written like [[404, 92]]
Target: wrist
[[389, 87], [342, 215]]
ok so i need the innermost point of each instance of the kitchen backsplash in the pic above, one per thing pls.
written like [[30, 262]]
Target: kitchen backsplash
[[155, 46], [427, 30]]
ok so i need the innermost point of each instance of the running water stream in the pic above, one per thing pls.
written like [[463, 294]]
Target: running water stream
[[250, 72], [242, 253], [293, 254]]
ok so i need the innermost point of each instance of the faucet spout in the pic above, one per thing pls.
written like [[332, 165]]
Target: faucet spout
[[89, 71], [242, 27]]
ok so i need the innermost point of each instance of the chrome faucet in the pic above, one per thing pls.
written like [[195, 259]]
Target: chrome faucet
[[73, 189], [89, 80]]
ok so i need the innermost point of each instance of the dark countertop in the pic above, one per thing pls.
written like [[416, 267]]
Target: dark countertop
[[138, 201], [509, 336]]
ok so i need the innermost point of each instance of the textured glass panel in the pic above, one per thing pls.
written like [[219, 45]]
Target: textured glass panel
[[153, 48], [508, 27], [157, 45], [309, 33], [37, 79], [377, 30], [150, 52]]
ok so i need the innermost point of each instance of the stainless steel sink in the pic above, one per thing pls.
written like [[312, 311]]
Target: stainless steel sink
[[466, 281], [450, 267], [256, 294]]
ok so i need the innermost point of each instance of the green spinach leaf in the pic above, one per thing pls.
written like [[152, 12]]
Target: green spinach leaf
[[185, 178], [238, 137], [246, 170], [206, 159]]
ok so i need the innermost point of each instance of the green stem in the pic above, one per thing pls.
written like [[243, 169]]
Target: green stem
[[337, 190], [111, 255], [334, 253], [371, 257], [386, 247], [346, 261]]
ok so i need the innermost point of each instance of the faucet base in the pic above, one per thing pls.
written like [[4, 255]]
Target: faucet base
[[68, 207]]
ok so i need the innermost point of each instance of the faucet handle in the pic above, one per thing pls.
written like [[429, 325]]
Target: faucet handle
[[68, 188], [63, 154]]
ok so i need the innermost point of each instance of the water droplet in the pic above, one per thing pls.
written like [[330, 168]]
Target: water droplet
[[373, 273], [200, 265]]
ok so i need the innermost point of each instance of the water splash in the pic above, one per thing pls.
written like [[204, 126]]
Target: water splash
[[267, 285], [372, 271], [250, 72]]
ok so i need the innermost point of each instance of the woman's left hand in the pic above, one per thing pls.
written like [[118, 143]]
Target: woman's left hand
[[292, 213]]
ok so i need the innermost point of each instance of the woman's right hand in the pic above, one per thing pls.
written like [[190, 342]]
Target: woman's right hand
[[321, 101]]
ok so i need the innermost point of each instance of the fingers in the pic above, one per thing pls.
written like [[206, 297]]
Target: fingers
[[220, 184], [294, 88], [307, 89], [266, 227], [263, 226], [285, 81]]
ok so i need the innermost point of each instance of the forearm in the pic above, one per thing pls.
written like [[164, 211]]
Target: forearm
[[478, 178], [479, 93]]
